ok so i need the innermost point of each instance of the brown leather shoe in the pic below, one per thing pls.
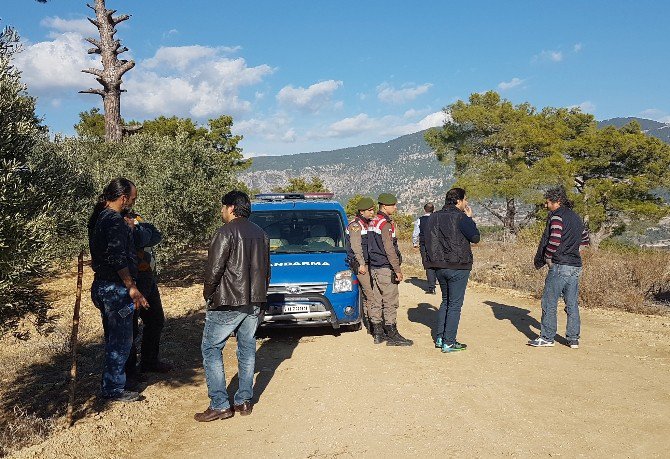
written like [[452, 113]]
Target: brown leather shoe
[[245, 408], [212, 415]]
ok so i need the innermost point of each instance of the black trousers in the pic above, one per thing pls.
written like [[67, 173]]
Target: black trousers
[[430, 272], [153, 320]]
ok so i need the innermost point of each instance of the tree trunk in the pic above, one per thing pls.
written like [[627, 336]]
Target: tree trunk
[[112, 68], [510, 217]]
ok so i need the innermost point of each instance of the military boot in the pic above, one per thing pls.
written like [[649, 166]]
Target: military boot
[[395, 338], [378, 333]]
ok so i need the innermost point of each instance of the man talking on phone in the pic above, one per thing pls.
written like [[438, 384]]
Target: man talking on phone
[[449, 234]]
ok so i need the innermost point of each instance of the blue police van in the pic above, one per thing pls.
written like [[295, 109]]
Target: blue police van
[[311, 283]]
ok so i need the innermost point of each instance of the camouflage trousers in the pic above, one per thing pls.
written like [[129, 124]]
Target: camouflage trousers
[[365, 282], [385, 297]]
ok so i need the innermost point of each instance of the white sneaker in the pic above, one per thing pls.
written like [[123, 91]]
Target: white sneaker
[[540, 342]]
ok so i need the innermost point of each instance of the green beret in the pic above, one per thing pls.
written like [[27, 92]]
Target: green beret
[[365, 203], [387, 199]]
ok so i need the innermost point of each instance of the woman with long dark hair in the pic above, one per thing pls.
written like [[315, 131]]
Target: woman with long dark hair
[[114, 291]]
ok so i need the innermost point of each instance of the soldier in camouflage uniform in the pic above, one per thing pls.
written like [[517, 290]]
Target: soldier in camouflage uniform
[[357, 251]]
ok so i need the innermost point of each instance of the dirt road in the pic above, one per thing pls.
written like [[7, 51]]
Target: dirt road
[[321, 395]]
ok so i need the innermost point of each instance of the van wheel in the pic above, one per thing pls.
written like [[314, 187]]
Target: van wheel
[[355, 327]]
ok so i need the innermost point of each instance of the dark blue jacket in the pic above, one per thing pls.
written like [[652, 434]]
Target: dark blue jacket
[[449, 233], [572, 237], [112, 247]]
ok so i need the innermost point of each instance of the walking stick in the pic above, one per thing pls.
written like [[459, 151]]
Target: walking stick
[[73, 339]]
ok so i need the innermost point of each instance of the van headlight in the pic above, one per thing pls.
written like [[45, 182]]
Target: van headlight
[[343, 282]]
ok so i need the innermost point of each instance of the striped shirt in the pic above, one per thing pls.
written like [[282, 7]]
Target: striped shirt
[[555, 235]]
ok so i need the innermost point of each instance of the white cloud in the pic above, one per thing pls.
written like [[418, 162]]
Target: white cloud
[[53, 67], [310, 99], [276, 128], [513, 83], [195, 81], [352, 126], [552, 56], [384, 126], [656, 114], [387, 93], [59, 25], [587, 106], [578, 47]]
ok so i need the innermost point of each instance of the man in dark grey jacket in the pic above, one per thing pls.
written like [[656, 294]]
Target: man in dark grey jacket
[[564, 235], [449, 234], [236, 282]]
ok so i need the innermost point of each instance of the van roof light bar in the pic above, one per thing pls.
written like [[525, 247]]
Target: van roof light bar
[[283, 196]]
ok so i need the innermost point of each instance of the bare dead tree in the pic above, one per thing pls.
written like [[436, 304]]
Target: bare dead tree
[[113, 69]]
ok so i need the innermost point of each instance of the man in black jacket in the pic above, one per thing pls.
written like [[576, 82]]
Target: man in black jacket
[[449, 234], [559, 247], [236, 282]]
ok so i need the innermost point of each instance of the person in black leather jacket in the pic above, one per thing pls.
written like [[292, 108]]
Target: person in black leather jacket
[[449, 233], [237, 277]]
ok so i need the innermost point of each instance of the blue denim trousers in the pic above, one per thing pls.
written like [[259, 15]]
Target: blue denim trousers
[[218, 327], [453, 283], [109, 298], [561, 280]]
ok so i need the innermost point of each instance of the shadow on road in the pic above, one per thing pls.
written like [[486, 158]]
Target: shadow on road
[[521, 319], [421, 283], [277, 346], [424, 313]]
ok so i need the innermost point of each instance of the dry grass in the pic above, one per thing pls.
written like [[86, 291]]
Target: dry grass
[[23, 430], [635, 281]]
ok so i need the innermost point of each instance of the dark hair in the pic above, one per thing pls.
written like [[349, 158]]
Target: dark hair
[[429, 207], [453, 196], [240, 200], [114, 190], [558, 194]]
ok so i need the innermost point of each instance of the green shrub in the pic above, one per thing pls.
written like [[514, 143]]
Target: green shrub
[[179, 182], [44, 197]]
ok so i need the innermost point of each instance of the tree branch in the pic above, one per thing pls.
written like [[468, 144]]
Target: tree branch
[[99, 92], [119, 19], [95, 72], [94, 42], [94, 22], [91, 7], [125, 66], [495, 214], [94, 51]]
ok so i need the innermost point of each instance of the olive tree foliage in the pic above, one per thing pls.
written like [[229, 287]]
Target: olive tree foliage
[[44, 198], [179, 181]]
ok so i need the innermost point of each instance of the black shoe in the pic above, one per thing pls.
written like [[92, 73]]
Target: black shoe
[[157, 367], [124, 396], [395, 338], [378, 333]]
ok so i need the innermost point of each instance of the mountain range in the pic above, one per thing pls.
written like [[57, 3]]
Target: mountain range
[[405, 166]]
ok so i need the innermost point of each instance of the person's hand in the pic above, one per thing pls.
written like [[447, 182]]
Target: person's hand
[[416, 248], [138, 298], [549, 262], [468, 211], [399, 277], [130, 222], [362, 270]]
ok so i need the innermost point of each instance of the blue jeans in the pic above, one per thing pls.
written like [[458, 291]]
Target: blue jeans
[[562, 280], [218, 327], [109, 298], [452, 284]]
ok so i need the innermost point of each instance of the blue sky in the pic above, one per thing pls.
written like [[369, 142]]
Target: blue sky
[[300, 76]]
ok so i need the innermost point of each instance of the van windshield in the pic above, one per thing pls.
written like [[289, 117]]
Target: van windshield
[[302, 231]]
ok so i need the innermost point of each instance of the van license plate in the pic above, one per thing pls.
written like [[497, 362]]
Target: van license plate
[[290, 308]]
